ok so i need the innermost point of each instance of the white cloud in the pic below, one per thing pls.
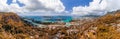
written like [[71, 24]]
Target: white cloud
[[97, 8], [9, 8], [47, 6], [56, 6], [113, 5]]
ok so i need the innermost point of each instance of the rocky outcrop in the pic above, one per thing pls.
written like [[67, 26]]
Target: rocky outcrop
[[10, 18]]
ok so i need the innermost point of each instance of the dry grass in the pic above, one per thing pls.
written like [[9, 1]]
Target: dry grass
[[105, 27]]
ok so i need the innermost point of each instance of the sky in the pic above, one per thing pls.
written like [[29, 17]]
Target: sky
[[69, 4], [9, 2], [59, 7]]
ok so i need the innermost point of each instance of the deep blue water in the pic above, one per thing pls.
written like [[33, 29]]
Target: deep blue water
[[49, 18]]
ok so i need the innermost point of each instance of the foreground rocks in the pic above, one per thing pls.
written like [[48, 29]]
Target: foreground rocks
[[105, 27]]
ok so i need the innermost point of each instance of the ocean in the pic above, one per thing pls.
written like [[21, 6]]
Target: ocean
[[48, 18], [38, 20]]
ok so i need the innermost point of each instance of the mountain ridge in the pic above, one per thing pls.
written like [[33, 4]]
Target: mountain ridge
[[104, 27]]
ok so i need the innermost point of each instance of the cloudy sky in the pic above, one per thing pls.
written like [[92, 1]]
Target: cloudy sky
[[59, 7]]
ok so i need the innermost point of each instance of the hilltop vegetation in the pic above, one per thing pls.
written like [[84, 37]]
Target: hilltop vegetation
[[105, 27], [109, 26], [10, 18]]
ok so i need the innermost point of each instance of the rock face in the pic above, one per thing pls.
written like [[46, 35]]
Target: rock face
[[10, 18]]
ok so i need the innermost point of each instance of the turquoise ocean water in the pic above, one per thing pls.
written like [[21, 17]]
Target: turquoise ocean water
[[49, 18]]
